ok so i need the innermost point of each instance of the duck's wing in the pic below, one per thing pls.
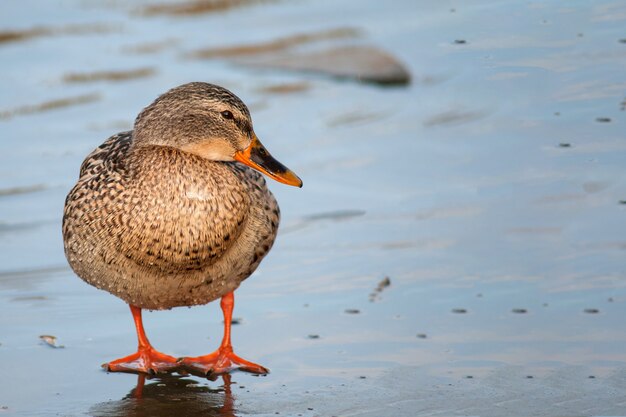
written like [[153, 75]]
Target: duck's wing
[[110, 155]]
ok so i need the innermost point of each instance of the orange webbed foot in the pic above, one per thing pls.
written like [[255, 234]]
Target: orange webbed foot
[[222, 361], [146, 360]]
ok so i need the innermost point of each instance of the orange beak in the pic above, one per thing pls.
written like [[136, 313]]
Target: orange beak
[[257, 157]]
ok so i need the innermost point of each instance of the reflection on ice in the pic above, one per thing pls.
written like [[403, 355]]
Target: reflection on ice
[[171, 396]]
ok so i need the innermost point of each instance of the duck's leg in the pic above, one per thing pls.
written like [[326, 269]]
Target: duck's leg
[[146, 359], [223, 360]]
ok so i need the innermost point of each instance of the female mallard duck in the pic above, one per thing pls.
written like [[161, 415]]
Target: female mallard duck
[[170, 214]]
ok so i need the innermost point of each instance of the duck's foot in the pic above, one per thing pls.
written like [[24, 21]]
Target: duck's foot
[[146, 360], [221, 361]]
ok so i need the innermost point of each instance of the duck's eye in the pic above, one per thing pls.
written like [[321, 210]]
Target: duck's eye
[[226, 114]]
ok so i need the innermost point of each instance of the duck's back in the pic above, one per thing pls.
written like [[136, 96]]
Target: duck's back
[[161, 228]]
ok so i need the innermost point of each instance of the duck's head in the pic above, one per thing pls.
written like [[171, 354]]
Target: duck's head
[[209, 121]]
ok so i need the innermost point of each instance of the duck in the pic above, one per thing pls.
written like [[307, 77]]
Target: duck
[[176, 212]]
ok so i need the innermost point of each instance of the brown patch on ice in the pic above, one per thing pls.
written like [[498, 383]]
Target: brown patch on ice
[[49, 105], [122, 75], [336, 215], [286, 88], [382, 285], [119, 125], [453, 118], [30, 298], [274, 45], [51, 341], [150, 47], [194, 7], [19, 35], [21, 190], [355, 117]]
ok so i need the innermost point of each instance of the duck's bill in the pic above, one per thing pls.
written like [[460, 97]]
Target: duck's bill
[[257, 157]]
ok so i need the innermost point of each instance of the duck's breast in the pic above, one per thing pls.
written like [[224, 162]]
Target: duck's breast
[[180, 212]]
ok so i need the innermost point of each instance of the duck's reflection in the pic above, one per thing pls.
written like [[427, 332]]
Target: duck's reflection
[[171, 396]]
